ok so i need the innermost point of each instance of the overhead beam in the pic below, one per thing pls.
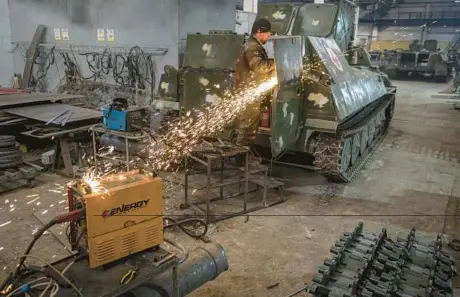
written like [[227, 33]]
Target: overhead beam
[[414, 22]]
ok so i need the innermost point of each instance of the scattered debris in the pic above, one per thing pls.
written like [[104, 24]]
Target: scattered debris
[[273, 286]]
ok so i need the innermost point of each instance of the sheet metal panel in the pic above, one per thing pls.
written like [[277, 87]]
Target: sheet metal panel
[[287, 103], [333, 59], [45, 112], [351, 96], [18, 99], [352, 89], [217, 51]]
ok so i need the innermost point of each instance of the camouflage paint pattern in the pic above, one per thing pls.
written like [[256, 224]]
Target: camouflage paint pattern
[[212, 51], [209, 65], [335, 90], [323, 20], [287, 101]]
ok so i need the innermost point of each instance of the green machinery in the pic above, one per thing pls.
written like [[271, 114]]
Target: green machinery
[[426, 62], [330, 109]]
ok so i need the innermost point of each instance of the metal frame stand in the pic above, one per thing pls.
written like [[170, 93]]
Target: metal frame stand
[[244, 177], [126, 135], [62, 151]]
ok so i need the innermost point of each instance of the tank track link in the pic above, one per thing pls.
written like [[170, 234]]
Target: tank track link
[[373, 265], [340, 156]]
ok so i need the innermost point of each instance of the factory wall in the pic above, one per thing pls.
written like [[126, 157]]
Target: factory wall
[[6, 48], [93, 25], [423, 11], [400, 37], [244, 21]]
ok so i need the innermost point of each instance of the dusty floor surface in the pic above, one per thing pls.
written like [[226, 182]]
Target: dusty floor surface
[[412, 181]]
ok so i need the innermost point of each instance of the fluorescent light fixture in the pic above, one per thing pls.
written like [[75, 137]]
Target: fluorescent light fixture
[[457, 1]]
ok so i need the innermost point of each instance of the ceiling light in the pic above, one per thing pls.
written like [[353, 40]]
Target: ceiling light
[[457, 1]]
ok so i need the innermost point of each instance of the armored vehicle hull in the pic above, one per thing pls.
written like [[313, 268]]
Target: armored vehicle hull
[[323, 109], [346, 104], [337, 119]]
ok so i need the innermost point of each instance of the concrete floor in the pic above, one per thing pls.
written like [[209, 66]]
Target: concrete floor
[[411, 181]]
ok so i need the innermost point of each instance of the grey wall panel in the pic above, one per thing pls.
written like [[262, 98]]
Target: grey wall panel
[[6, 56], [141, 22], [146, 23]]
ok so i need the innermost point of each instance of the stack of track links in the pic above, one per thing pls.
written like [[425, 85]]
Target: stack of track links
[[10, 154], [371, 265]]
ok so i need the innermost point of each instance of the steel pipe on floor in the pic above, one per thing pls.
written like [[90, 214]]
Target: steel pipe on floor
[[202, 266]]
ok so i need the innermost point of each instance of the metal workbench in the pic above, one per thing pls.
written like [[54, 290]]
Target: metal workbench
[[46, 112], [15, 99], [217, 156], [139, 135]]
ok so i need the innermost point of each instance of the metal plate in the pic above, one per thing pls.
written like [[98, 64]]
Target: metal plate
[[315, 20], [351, 88], [331, 56], [45, 112], [286, 106], [200, 87], [216, 51], [430, 45], [351, 96], [18, 99], [279, 16]]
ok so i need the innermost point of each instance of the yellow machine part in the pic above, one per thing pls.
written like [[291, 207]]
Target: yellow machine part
[[126, 220]]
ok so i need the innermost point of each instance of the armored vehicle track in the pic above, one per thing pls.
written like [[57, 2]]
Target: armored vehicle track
[[373, 265], [340, 156]]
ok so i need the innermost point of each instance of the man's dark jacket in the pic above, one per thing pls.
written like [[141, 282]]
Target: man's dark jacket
[[253, 65]]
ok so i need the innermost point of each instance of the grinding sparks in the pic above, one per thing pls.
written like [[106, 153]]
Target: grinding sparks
[[92, 179], [184, 135]]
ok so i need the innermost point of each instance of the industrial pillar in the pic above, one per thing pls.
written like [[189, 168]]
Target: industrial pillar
[[355, 34], [375, 33], [250, 6], [6, 55]]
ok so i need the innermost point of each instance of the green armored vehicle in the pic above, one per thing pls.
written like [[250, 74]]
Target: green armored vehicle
[[330, 110], [426, 62]]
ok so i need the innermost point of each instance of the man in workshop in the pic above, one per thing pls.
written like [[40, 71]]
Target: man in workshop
[[253, 67]]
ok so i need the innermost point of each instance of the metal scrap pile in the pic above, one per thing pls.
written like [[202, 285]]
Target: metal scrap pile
[[367, 264]]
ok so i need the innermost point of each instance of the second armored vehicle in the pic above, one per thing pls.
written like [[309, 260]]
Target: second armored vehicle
[[427, 62]]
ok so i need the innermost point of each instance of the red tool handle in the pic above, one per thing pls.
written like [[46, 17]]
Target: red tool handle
[[70, 216]]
